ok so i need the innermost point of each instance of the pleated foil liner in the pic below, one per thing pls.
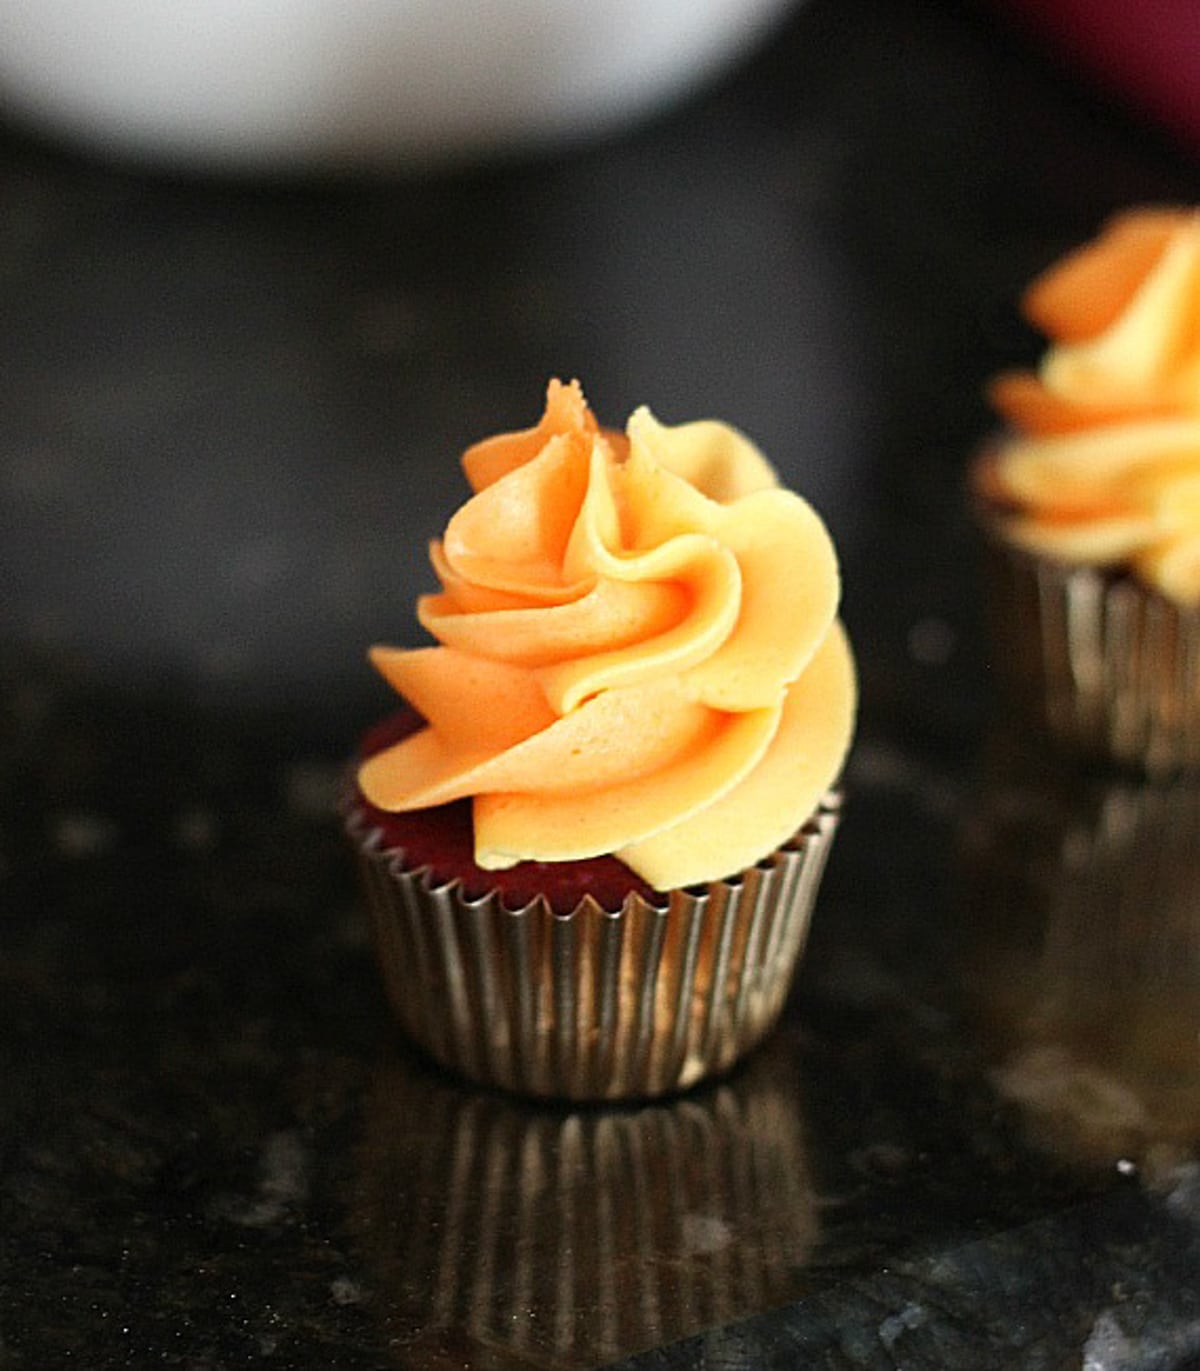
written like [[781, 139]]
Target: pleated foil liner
[[594, 1004], [1107, 667]]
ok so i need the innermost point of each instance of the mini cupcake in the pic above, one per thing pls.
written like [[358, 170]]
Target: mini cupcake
[[591, 851], [1091, 498]]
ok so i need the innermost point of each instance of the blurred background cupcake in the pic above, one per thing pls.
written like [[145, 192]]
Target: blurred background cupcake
[[1091, 499], [659, 1221], [1081, 961]]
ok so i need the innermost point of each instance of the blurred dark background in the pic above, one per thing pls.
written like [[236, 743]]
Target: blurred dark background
[[231, 409]]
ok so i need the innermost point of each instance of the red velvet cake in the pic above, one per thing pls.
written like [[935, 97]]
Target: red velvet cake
[[442, 839]]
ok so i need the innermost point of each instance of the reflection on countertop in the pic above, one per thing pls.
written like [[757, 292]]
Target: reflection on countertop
[[566, 1238], [1082, 963]]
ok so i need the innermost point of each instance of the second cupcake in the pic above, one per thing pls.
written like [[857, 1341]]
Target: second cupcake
[[1091, 499]]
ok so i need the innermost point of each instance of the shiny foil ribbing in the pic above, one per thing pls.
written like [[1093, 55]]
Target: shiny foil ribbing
[[1108, 667], [594, 1004]]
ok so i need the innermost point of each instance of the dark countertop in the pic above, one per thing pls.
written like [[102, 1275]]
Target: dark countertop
[[229, 419]]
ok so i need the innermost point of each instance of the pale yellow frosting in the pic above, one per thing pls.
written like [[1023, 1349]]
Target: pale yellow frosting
[[638, 652], [1103, 466]]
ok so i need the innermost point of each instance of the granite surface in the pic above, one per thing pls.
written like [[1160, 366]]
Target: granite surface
[[229, 419]]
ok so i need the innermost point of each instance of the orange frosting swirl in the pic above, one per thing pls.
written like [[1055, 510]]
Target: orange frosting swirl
[[1104, 463], [638, 652]]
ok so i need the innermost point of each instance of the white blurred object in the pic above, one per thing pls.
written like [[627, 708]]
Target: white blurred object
[[261, 83]]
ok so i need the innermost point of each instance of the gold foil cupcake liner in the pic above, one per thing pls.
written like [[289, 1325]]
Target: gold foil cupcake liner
[[1109, 668], [569, 1237], [594, 1004]]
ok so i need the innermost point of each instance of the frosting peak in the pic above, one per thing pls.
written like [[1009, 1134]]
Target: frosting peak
[[638, 652], [1104, 462]]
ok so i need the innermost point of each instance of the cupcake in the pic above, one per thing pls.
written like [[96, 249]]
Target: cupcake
[[1091, 499], [592, 835]]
